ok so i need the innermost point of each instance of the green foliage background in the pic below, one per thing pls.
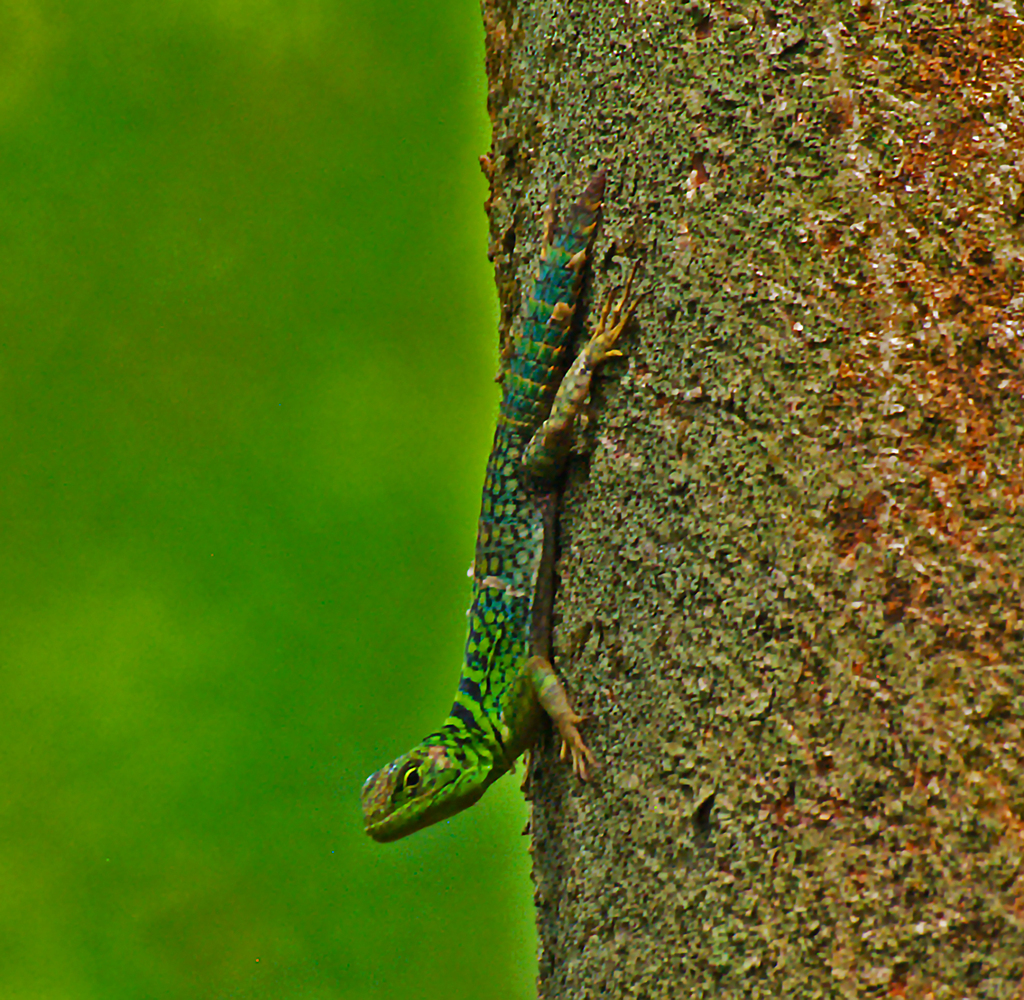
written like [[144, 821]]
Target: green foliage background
[[246, 339]]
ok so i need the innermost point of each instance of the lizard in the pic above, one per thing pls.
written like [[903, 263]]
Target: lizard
[[508, 682]]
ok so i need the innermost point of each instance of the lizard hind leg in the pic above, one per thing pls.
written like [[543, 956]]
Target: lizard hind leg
[[553, 699], [549, 446]]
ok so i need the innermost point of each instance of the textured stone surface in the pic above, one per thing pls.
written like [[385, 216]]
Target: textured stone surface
[[791, 544]]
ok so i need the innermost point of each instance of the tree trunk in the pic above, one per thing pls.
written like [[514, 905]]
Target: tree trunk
[[791, 554]]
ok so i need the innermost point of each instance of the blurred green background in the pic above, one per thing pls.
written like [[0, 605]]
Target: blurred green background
[[247, 333]]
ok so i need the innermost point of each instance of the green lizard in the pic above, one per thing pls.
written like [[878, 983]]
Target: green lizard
[[508, 682]]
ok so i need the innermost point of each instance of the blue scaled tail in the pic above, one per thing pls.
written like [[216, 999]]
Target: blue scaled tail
[[540, 357]]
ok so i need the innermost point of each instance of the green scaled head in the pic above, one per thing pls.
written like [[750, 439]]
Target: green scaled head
[[426, 785]]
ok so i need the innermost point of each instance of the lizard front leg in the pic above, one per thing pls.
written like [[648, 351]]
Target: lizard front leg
[[549, 446], [553, 699]]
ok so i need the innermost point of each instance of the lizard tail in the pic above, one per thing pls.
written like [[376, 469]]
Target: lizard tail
[[540, 357]]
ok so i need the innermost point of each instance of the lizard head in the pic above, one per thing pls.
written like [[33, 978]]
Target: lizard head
[[423, 786]]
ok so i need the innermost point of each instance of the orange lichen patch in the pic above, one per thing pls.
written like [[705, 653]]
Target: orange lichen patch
[[961, 59], [949, 476], [840, 114], [697, 176], [780, 810]]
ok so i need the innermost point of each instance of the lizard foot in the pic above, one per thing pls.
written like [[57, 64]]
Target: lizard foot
[[573, 745], [608, 329], [553, 699]]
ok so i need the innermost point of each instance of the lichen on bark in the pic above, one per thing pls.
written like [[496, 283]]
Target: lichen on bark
[[791, 543]]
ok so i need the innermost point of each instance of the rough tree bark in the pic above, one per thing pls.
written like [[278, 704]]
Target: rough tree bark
[[791, 545]]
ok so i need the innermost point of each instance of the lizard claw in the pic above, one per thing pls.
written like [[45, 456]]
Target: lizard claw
[[572, 744], [601, 344]]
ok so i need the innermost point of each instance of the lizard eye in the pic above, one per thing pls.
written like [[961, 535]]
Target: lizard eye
[[411, 778]]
